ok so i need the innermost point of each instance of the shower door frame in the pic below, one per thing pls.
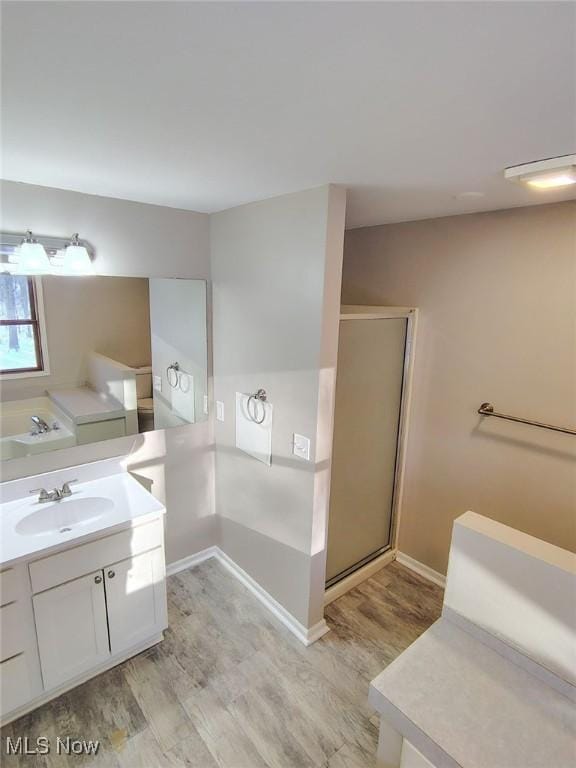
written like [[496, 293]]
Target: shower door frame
[[370, 565]]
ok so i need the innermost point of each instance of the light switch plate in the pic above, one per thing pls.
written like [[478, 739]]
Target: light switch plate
[[301, 447], [205, 404], [219, 410], [157, 381]]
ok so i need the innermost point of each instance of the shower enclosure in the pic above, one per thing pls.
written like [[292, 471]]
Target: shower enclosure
[[374, 362]]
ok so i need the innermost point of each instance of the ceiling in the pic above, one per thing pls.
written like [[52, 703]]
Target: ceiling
[[210, 105]]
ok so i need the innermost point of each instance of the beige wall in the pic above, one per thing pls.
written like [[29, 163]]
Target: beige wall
[[139, 241], [276, 268], [110, 315], [497, 299]]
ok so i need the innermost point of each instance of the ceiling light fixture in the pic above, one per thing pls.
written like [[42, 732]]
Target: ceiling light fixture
[[554, 173], [76, 259], [32, 257]]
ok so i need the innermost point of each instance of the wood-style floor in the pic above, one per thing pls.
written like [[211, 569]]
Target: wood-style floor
[[231, 687]]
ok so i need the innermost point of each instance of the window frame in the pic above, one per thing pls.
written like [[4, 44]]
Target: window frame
[[38, 321]]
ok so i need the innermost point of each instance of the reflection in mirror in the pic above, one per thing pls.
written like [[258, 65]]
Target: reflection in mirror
[[84, 359]]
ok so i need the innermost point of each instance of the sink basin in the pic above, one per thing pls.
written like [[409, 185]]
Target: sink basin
[[105, 504], [64, 516]]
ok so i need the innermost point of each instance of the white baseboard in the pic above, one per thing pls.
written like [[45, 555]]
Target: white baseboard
[[304, 634], [421, 569], [191, 560], [368, 570]]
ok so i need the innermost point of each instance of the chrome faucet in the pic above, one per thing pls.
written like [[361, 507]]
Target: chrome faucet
[[41, 427], [56, 495]]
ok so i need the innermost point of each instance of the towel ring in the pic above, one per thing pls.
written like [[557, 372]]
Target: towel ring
[[173, 380], [261, 396]]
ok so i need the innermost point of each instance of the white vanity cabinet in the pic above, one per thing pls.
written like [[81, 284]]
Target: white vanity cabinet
[[82, 623], [91, 606]]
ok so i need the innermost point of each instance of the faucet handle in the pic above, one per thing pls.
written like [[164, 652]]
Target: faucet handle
[[66, 490], [44, 495]]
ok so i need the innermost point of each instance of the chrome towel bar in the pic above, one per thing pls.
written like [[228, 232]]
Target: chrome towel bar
[[487, 409]]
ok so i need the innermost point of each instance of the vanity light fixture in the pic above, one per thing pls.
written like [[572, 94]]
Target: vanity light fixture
[[47, 255], [76, 259], [553, 173], [32, 257]]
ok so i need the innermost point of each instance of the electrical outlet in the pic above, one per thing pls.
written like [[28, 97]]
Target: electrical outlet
[[205, 404], [157, 382], [219, 410], [301, 447]]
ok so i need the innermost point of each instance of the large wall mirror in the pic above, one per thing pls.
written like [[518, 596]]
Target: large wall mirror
[[85, 359]]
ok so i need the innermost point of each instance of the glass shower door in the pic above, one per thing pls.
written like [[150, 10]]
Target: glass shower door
[[366, 423]]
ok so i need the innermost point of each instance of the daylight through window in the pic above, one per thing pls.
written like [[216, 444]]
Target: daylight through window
[[20, 347]]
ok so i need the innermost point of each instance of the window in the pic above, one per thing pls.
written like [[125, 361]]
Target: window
[[20, 342]]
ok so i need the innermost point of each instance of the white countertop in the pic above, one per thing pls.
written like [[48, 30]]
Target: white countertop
[[84, 405], [131, 503], [462, 704]]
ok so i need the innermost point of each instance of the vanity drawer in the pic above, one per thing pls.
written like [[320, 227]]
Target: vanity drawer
[[12, 639], [8, 586], [77, 561], [15, 686]]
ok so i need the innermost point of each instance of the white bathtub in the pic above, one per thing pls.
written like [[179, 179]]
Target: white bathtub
[[16, 425]]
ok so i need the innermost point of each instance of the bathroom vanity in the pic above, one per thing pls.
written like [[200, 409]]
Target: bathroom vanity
[[82, 582]]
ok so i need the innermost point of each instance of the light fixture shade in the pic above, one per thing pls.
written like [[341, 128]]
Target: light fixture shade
[[76, 261], [551, 180], [33, 259], [552, 173]]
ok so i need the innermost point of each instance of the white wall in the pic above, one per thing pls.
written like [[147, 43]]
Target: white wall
[[276, 268], [496, 298], [145, 241]]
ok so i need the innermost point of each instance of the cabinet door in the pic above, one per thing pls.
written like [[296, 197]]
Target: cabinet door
[[71, 628], [136, 599]]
